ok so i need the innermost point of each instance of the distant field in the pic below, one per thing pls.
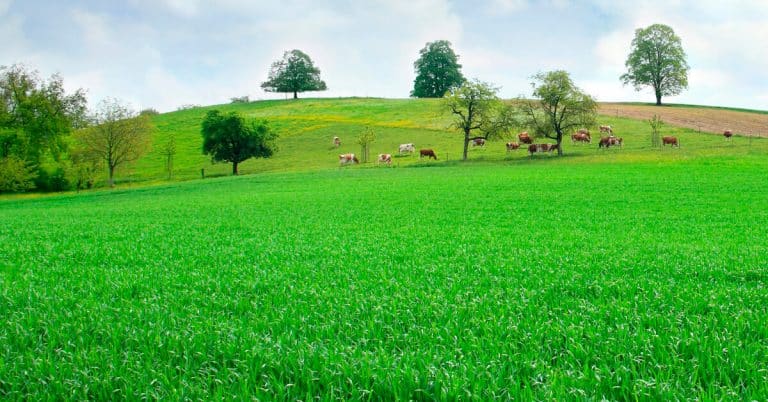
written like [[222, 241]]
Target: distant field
[[705, 119], [307, 127], [626, 275]]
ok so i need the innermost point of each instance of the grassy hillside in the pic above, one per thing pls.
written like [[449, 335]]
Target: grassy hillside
[[307, 126], [575, 278]]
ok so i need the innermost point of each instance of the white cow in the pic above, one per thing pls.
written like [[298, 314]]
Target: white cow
[[346, 159], [336, 142], [410, 147]]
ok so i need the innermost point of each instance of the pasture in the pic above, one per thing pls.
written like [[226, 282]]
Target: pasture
[[627, 274]]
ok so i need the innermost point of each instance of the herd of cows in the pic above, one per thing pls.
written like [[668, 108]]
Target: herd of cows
[[581, 136]]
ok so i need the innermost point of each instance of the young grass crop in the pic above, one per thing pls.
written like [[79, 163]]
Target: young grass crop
[[567, 278]]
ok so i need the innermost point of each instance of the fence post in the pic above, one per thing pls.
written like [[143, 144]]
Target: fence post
[[202, 173]]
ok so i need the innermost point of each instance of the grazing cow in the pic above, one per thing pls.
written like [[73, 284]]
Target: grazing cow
[[525, 138], [584, 131], [581, 137], [727, 134], [428, 153], [606, 129], [533, 148], [346, 159], [478, 142], [610, 141], [385, 158], [406, 148], [336, 142], [671, 141], [511, 146]]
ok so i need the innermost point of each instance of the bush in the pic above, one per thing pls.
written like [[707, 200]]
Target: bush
[[241, 99], [149, 112], [15, 175], [51, 181]]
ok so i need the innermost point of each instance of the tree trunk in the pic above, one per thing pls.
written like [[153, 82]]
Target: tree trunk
[[234, 168], [295, 95], [658, 98], [466, 144], [559, 144], [111, 176]]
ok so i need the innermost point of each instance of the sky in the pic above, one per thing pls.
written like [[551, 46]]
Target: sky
[[167, 53]]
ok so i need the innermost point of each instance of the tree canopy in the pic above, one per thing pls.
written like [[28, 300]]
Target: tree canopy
[[295, 73], [229, 138], [437, 70], [558, 107], [476, 107], [657, 59]]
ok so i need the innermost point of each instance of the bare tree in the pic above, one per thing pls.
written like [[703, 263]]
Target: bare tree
[[118, 136]]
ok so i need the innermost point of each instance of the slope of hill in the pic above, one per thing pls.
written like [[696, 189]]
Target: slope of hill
[[307, 126]]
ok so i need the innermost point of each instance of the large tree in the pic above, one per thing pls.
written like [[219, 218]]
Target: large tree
[[437, 70], [478, 112], [229, 138], [118, 136], [657, 59], [36, 115], [558, 107], [295, 73]]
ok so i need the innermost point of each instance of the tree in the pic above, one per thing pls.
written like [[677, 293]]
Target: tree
[[365, 139], [168, 151], [118, 136], [229, 138], [437, 70], [657, 59], [36, 115], [559, 107], [475, 106], [15, 175], [294, 73], [656, 123]]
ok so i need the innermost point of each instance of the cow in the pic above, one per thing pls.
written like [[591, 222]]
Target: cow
[[406, 148], [478, 142], [727, 134], [346, 159], [511, 146], [428, 153], [525, 138], [336, 142], [584, 131], [385, 158], [610, 141], [606, 129], [671, 141], [580, 137], [533, 148]]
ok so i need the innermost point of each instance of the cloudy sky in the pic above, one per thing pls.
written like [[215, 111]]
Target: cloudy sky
[[166, 53]]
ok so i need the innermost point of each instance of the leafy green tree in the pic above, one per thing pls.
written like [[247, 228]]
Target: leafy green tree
[[36, 115], [229, 138], [15, 175], [437, 70], [558, 107], [476, 108], [657, 59], [119, 136], [295, 73], [365, 139]]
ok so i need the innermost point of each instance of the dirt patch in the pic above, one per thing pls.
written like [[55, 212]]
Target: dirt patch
[[702, 119]]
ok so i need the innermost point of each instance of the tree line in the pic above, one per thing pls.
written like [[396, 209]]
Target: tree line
[[49, 141]]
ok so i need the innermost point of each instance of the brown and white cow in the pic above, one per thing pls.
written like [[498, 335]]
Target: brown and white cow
[[511, 146], [581, 137], [533, 148], [525, 138], [606, 129], [478, 142], [346, 159], [671, 141], [336, 142], [428, 153], [385, 158], [610, 142], [727, 134]]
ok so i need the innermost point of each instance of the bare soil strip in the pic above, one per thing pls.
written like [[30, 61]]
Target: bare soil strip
[[702, 119]]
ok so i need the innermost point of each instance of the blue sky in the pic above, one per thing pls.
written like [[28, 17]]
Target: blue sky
[[166, 53]]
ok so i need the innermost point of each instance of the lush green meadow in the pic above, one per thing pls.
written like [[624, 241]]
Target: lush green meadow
[[630, 274]]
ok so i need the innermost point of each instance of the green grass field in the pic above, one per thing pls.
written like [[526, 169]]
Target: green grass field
[[619, 274]]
